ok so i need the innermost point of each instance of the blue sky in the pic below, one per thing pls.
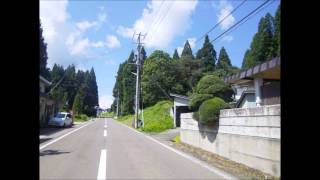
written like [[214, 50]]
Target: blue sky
[[98, 34]]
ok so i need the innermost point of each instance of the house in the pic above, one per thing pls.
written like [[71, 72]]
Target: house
[[257, 86], [47, 106], [250, 133], [180, 105]]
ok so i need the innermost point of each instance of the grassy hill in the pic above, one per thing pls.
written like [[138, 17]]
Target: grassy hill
[[157, 118]]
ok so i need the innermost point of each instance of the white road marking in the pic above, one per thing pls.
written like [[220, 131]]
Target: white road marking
[[197, 161], [59, 138], [102, 171], [105, 133], [105, 126]]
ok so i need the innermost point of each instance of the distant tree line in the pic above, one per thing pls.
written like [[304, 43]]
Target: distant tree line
[[76, 90]]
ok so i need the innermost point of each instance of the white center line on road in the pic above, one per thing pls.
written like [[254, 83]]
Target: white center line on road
[[59, 138], [105, 126], [102, 171], [105, 133]]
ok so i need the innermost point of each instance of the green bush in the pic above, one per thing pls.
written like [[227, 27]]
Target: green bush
[[196, 115], [210, 109], [81, 117], [197, 99], [213, 85]]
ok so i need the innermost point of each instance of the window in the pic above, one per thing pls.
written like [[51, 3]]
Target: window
[[60, 115]]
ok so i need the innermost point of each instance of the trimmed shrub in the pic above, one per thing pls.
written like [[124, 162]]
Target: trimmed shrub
[[213, 85], [197, 99], [210, 109]]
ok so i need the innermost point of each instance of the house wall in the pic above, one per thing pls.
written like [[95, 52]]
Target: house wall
[[271, 93], [42, 87], [248, 101], [42, 108], [250, 136]]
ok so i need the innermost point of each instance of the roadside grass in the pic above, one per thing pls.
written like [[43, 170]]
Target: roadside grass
[[81, 118], [107, 114], [176, 139], [127, 120], [157, 118]]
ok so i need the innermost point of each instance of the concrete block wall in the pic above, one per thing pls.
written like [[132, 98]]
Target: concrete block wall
[[250, 136]]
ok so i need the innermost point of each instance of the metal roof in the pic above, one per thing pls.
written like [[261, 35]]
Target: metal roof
[[179, 96], [269, 69]]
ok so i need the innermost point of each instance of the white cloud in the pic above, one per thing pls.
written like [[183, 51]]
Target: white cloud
[[84, 25], [227, 38], [192, 42], [98, 44], [125, 32], [112, 41], [79, 47], [224, 7], [175, 16], [52, 14], [105, 101]]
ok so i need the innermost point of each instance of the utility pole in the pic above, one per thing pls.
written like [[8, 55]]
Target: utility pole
[[138, 63]]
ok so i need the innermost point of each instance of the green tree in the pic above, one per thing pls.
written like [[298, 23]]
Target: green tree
[[187, 51], [262, 46], [92, 98], [210, 86], [44, 71], [69, 84], [277, 32], [224, 61], [125, 84], [144, 55], [175, 55], [207, 56], [188, 72], [79, 101], [158, 78]]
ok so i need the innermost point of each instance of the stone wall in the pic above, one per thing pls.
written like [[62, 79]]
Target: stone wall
[[250, 136]]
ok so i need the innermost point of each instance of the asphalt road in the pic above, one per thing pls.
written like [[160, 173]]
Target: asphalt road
[[105, 149]]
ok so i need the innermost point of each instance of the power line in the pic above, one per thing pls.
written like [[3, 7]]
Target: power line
[[159, 22], [216, 25], [240, 21], [156, 17], [249, 18]]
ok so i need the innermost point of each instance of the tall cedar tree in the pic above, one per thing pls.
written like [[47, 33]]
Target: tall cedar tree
[[266, 42], [187, 51], [277, 30], [175, 55], [207, 56], [224, 61], [44, 71]]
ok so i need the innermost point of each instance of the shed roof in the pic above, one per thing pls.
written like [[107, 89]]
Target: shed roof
[[179, 96]]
